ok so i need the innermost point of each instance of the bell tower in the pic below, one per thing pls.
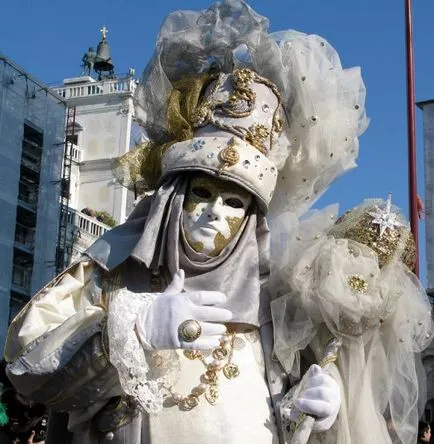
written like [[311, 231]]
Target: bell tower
[[103, 128], [103, 62]]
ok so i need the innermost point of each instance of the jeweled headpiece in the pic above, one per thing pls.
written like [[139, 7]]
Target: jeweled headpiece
[[275, 113], [379, 225], [236, 124]]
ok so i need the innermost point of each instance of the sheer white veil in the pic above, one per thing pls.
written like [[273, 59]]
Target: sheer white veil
[[333, 285]]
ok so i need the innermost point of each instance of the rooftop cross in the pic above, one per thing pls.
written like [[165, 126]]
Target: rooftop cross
[[104, 32]]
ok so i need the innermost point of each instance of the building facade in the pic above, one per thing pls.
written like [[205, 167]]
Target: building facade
[[103, 128], [32, 134], [428, 130]]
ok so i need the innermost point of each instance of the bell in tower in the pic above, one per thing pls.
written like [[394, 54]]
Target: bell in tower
[[103, 65]]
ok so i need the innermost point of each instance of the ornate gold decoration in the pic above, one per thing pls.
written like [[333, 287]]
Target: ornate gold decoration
[[257, 136], [358, 284], [189, 330], [220, 241], [212, 394], [209, 386], [140, 169], [201, 115], [229, 156], [277, 124], [240, 103], [359, 225]]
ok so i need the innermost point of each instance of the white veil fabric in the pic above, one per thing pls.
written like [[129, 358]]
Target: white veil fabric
[[334, 287]]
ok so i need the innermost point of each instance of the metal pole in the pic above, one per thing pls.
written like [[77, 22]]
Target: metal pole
[[412, 177]]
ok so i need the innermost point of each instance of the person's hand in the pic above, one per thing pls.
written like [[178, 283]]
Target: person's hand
[[158, 324], [30, 439], [319, 396]]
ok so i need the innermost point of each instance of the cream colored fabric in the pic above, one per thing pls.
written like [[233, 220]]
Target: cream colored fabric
[[55, 305], [242, 415]]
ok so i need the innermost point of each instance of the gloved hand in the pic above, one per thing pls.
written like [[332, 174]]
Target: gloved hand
[[157, 324], [319, 396]]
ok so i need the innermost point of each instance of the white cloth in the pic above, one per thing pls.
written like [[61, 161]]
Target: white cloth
[[242, 415]]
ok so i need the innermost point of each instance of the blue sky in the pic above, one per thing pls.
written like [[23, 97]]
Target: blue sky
[[48, 38]]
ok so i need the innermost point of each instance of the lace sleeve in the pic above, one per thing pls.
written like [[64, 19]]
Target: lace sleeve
[[142, 374]]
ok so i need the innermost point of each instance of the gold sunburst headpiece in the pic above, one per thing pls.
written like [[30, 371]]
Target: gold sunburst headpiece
[[379, 225]]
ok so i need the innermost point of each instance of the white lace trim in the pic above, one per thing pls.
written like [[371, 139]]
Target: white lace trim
[[140, 374]]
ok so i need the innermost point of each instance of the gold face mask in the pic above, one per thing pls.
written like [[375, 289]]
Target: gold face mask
[[214, 211]]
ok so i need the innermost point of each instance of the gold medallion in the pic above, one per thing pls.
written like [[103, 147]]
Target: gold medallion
[[192, 354], [212, 394], [231, 370], [190, 402], [210, 377], [219, 353]]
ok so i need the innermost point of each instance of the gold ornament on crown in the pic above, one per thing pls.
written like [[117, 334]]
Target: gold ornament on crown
[[241, 103], [229, 156], [380, 227]]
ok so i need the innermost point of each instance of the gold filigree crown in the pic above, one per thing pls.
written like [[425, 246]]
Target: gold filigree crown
[[230, 102], [379, 225]]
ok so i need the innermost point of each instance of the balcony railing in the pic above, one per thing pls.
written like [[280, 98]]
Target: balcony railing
[[21, 278], [25, 236], [28, 194], [76, 153], [84, 229], [97, 88], [31, 164]]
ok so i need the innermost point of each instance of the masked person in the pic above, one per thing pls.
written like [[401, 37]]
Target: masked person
[[353, 301], [162, 332]]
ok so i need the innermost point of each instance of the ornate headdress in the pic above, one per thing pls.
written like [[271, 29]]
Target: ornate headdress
[[224, 96], [380, 226]]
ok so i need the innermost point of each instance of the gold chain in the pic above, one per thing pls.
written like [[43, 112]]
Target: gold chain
[[209, 385]]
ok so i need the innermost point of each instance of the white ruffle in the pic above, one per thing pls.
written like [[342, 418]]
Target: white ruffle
[[140, 374]]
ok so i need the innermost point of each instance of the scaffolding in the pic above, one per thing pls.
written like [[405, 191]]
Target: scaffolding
[[32, 128], [64, 248]]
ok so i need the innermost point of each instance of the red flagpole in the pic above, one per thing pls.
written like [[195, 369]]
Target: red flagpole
[[412, 177]]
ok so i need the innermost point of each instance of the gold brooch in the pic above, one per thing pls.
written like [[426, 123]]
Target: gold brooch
[[230, 155], [358, 284]]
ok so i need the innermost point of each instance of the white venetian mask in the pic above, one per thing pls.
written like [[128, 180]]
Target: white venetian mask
[[214, 211]]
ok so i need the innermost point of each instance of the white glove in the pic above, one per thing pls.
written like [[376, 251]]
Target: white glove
[[157, 324], [319, 396]]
